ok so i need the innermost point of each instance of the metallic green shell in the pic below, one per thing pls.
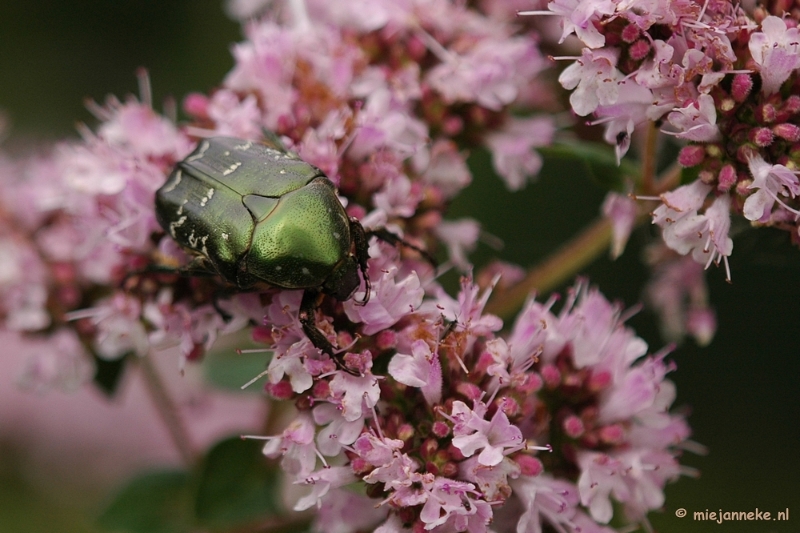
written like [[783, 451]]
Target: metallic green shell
[[255, 213], [303, 240]]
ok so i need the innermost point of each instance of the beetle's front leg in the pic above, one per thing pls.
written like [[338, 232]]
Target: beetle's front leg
[[361, 244], [308, 307]]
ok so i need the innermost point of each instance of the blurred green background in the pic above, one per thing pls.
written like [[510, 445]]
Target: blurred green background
[[742, 392]]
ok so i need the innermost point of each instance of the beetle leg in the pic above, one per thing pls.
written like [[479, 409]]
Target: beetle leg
[[308, 307], [361, 242], [387, 236], [199, 267]]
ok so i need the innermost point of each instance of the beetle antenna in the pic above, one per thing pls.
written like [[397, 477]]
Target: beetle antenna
[[395, 240]]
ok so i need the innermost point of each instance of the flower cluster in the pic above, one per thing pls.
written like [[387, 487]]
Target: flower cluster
[[434, 416], [450, 436], [724, 80]]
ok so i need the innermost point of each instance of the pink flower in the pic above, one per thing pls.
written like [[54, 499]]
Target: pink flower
[[356, 394], [264, 63], [678, 293], [579, 17], [490, 74], [681, 203], [337, 432], [697, 121], [776, 51], [455, 503], [296, 446], [235, 117], [545, 499], [321, 482], [390, 301], [622, 211], [444, 167], [60, 363], [595, 79], [495, 438], [421, 369], [460, 237], [513, 156], [770, 181]]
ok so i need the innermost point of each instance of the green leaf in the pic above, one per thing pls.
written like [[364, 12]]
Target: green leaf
[[599, 162], [108, 374], [158, 502], [236, 485], [690, 174]]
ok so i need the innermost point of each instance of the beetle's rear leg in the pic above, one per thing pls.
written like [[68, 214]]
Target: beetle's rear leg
[[308, 307], [387, 236], [199, 267]]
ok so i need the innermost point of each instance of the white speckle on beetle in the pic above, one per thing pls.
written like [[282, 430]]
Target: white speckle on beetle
[[175, 225], [175, 181], [200, 152], [231, 168], [226, 153], [203, 240], [278, 268], [283, 171], [207, 197], [224, 236], [179, 212], [336, 235], [243, 147], [305, 271]]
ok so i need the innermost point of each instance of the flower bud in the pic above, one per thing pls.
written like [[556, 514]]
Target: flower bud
[[787, 131], [741, 87], [691, 155]]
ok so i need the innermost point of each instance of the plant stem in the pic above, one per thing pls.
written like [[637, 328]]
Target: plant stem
[[585, 247], [556, 269], [167, 410]]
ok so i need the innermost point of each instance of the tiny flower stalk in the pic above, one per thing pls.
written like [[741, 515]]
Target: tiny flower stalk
[[168, 411]]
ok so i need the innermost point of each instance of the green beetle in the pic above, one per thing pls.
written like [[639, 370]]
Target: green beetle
[[254, 213]]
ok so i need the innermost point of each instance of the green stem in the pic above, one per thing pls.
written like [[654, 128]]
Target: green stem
[[167, 410], [581, 250], [556, 269]]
